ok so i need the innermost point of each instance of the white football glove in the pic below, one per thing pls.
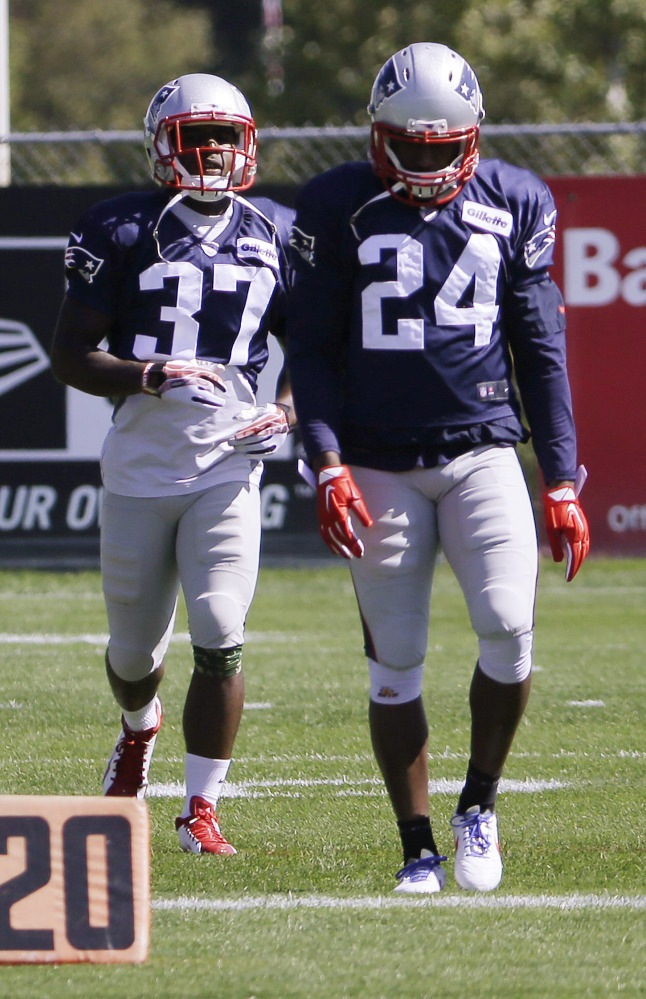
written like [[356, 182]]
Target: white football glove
[[266, 432], [189, 381]]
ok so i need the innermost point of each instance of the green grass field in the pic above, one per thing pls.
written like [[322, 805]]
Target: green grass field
[[306, 907]]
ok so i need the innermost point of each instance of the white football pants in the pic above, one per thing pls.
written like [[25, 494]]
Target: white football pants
[[208, 542], [477, 510]]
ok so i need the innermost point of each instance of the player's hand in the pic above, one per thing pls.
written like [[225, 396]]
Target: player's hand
[[265, 434], [338, 496], [567, 526], [202, 379]]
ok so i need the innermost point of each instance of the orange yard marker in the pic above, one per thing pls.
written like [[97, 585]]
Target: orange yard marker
[[74, 880]]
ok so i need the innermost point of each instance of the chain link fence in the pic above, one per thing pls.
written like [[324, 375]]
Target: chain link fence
[[292, 155]]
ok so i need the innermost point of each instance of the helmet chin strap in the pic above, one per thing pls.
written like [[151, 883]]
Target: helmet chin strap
[[206, 195], [167, 207]]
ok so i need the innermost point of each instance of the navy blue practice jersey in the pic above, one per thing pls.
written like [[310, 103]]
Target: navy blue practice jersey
[[403, 322], [172, 294]]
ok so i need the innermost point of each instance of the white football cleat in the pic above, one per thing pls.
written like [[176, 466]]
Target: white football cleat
[[424, 876], [478, 860]]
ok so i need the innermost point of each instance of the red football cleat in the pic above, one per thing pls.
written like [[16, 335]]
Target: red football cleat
[[199, 832], [126, 774]]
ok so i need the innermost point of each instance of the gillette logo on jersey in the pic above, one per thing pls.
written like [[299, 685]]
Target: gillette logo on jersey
[[386, 85], [494, 220], [249, 246]]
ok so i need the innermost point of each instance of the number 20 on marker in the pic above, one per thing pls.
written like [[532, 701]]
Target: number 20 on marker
[[74, 880]]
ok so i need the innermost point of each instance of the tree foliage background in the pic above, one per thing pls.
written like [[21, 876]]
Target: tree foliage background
[[86, 64]]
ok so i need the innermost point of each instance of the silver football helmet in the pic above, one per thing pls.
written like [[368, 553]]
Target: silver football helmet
[[200, 135], [425, 95]]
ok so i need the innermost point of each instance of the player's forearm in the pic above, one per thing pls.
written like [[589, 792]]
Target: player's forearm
[[316, 392], [284, 396], [79, 361], [553, 433], [97, 372], [325, 460], [541, 371]]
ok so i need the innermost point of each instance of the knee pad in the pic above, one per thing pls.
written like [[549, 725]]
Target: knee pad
[[218, 663], [507, 659], [394, 686]]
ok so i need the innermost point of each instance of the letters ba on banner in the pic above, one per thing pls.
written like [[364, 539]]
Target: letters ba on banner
[[74, 880], [600, 263]]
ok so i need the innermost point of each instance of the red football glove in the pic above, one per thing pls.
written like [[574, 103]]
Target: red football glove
[[338, 495], [567, 526], [161, 376]]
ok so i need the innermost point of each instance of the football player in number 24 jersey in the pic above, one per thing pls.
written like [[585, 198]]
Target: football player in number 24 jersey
[[171, 297], [421, 285]]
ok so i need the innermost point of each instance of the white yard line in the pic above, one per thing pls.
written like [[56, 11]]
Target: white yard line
[[345, 787], [51, 639], [492, 902], [46, 638], [547, 586]]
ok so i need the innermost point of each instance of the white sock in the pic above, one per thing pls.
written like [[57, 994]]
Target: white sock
[[146, 717], [204, 777]]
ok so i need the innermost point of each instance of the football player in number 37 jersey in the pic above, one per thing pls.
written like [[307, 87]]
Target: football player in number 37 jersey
[[421, 286], [171, 297]]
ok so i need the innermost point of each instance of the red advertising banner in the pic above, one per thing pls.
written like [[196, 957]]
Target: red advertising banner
[[601, 269]]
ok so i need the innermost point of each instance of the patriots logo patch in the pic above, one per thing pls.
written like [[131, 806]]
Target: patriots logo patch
[[469, 90], [386, 85], [87, 265], [303, 244], [540, 243], [160, 99]]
